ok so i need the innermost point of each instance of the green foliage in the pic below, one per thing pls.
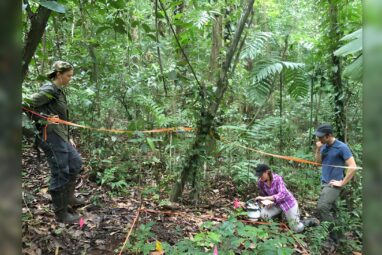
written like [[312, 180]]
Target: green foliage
[[139, 239], [255, 44], [231, 237], [273, 67], [353, 47], [112, 178], [118, 84], [52, 5]]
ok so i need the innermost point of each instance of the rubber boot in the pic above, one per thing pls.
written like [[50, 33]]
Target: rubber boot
[[60, 204], [73, 201]]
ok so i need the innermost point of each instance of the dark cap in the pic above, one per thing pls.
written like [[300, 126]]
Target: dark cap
[[60, 66], [260, 169], [324, 129]]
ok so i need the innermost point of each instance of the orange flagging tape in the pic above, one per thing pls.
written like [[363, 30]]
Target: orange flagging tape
[[130, 231], [56, 120], [299, 160]]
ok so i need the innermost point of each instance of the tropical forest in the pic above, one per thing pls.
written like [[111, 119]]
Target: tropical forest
[[192, 127]]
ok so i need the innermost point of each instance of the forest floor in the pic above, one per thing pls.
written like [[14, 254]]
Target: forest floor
[[107, 219]]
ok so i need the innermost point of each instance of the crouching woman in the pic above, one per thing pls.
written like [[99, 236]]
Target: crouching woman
[[272, 188]]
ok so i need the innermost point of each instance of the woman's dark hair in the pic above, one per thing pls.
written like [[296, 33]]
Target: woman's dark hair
[[59, 67], [270, 175]]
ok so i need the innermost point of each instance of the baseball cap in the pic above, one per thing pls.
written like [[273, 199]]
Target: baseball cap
[[60, 66], [260, 169], [324, 129]]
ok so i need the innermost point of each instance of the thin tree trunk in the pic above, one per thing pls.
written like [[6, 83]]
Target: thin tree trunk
[[205, 124], [158, 49], [310, 138], [335, 76], [93, 56], [281, 113], [281, 94], [58, 39], [217, 32], [38, 23]]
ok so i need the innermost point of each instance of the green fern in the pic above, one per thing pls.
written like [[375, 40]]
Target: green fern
[[255, 44], [155, 110], [242, 171], [297, 83], [264, 129], [203, 18], [273, 67], [258, 92]]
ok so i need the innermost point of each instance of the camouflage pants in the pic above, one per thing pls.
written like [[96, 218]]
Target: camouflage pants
[[64, 160]]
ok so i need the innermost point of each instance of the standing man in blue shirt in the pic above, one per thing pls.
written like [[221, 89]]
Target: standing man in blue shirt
[[331, 152]]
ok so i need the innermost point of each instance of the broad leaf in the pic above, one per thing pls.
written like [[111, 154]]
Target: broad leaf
[[53, 5]]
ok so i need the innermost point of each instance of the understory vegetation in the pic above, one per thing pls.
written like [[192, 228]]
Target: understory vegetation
[[144, 65]]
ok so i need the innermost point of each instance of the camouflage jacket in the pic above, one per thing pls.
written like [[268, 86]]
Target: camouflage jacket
[[51, 100]]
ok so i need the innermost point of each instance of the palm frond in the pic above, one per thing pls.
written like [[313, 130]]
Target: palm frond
[[297, 83], [202, 19], [255, 44], [156, 111], [265, 70]]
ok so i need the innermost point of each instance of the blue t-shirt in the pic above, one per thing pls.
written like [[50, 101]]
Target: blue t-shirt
[[335, 154]]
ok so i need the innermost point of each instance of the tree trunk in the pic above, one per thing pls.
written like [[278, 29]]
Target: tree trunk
[[217, 31], [335, 76], [158, 49], [205, 123], [281, 113], [93, 56], [38, 23], [283, 55], [311, 105]]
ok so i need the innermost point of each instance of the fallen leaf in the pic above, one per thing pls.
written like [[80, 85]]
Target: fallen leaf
[[158, 246]]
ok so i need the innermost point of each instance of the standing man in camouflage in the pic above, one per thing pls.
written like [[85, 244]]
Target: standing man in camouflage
[[332, 152], [64, 160]]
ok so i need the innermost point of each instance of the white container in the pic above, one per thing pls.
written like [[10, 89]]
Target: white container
[[254, 211]]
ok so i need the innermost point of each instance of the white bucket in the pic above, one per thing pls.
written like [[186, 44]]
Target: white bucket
[[253, 211]]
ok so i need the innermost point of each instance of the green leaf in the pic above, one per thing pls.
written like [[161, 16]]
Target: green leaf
[[146, 28], [355, 70], [151, 144], [101, 29], [214, 237], [118, 4], [53, 5], [352, 36], [350, 48]]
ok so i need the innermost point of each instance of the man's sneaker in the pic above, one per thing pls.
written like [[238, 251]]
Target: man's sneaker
[[329, 246], [311, 222]]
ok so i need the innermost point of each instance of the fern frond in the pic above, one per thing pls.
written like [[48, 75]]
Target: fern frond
[[297, 83], [255, 44], [267, 70], [203, 18]]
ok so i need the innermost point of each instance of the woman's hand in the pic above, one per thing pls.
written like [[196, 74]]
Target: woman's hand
[[259, 198]]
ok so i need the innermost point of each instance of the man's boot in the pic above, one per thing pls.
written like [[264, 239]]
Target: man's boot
[[73, 201], [60, 204]]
